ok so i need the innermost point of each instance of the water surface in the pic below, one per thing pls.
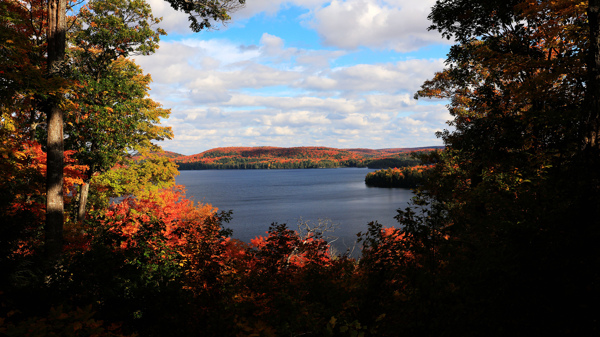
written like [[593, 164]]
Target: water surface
[[261, 197]]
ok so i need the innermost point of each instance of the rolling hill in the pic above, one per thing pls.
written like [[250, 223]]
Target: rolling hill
[[298, 157]]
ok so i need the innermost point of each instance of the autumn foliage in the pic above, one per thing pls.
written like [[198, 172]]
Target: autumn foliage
[[23, 186], [409, 177], [297, 157], [501, 238]]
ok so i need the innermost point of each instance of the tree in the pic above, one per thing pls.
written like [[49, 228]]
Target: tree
[[109, 111], [516, 81], [137, 176], [591, 120], [592, 133], [137, 261], [56, 42], [518, 190], [113, 117], [105, 135], [105, 31], [27, 82], [202, 14]]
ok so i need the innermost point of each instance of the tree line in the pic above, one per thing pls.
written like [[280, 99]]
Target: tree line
[[295, 158], [408, 177]]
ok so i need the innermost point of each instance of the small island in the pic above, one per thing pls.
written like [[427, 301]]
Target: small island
[[407, 177]]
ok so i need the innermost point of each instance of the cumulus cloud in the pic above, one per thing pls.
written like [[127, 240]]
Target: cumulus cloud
[[272, 45], [271, 7], [399, 25], [404, 76], [172, 20], [385, 102], [223, 93], [177, 21], [296, 118]]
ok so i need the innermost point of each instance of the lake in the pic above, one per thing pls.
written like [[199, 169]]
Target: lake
[[261, 197]]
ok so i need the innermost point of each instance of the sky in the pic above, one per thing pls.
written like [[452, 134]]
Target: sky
[[300, 73]]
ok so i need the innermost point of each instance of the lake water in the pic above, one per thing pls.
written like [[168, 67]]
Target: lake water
[[261, 197]]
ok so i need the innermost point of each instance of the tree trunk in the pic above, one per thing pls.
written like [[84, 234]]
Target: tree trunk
[[586, 170], [83, 195], [592, 124], [55, 146]]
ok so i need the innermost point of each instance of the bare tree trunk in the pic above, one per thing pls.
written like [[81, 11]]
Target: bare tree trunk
[[83, 195], [55, 161]]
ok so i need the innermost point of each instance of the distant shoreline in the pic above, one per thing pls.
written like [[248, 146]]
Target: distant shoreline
[[252, 158]]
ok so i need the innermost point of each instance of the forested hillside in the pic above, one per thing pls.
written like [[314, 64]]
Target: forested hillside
[[299, 157], [408, 177]]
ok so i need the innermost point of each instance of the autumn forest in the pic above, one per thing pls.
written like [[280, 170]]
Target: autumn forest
[[501, 238], [299, 157]]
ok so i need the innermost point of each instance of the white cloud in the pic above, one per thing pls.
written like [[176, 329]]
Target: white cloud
[[272, 45], [399, 25], [389, 102], [296, 118], [271, 7], [402, 77], [173, 21], [295, 103], [355, 121], [224, 51], [318, 59], [250, 132], [223, 93], [282, 131], [317, 83]]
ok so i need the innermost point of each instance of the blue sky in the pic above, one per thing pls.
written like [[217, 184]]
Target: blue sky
[[300, 73]]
